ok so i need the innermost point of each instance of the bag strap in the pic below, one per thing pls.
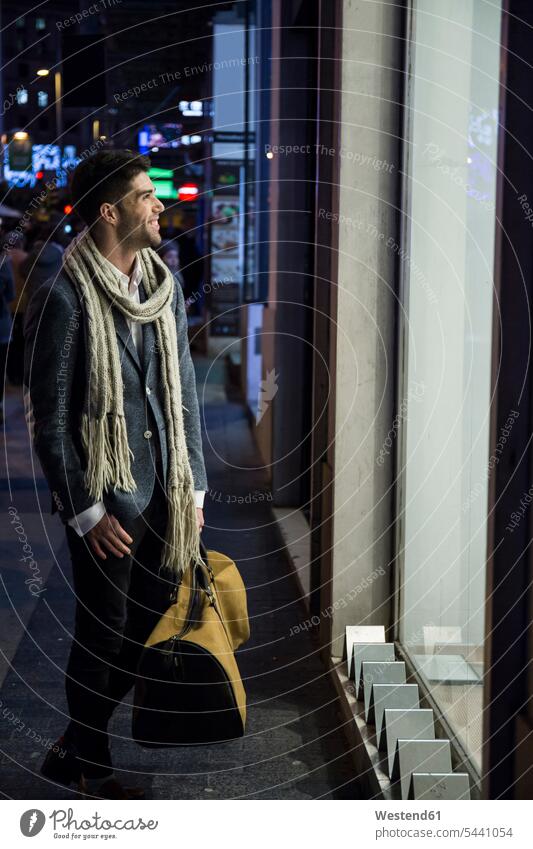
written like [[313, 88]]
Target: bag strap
[[199, 581]]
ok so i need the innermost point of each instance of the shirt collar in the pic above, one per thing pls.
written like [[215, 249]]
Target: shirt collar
[[136, 274]]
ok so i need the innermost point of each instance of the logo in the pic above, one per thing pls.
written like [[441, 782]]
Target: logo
[[31, 822], [267, 390]]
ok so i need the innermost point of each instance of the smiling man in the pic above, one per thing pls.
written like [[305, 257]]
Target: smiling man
[[112, 405]]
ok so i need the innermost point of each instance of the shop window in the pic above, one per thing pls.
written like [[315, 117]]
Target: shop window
[[447, 285]]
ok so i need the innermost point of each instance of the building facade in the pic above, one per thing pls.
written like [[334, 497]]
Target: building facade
[[397, 326]]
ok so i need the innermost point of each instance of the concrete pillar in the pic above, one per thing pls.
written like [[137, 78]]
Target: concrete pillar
[[368, 224]]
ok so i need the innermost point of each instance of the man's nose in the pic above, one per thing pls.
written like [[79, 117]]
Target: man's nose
[[159, 207]]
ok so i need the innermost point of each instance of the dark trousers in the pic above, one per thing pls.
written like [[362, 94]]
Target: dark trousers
[[118, 603]]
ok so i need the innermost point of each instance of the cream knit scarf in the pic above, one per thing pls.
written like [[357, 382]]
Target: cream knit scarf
[[103, 430]]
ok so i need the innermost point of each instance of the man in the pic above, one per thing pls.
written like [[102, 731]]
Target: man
[[113, 405]]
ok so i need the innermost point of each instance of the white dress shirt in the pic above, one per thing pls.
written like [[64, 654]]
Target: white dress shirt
[[87, 519]]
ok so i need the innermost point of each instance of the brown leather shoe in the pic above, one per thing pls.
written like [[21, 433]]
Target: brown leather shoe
[[111, 789]]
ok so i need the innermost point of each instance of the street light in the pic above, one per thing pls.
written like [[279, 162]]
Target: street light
[[58, 85], [44, 72], [19, 151]]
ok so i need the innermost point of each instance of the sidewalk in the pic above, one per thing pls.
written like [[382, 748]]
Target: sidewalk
[[294, 746]]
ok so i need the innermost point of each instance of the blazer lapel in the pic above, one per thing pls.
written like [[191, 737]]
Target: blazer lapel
[[149, 338], [124, 333]]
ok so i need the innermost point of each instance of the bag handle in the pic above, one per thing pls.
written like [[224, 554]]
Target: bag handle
[[201, 576], [198, 582]]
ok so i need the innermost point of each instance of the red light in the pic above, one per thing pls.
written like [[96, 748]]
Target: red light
[[39, 175], [189, 191], [68, 209]]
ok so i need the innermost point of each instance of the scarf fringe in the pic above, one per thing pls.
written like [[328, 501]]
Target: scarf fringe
[[182, 543], [108, 461], [122, 475]]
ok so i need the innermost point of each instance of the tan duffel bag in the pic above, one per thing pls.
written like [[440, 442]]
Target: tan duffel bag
[[188, 689]]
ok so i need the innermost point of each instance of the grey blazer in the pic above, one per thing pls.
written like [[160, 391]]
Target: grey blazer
[[55, 375]]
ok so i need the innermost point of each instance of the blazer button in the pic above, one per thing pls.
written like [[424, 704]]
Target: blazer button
[[148, 390], [147, 434]]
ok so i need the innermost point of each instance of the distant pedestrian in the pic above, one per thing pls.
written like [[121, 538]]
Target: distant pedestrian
[[44, 259], [179, 252], [15, 243], [7, 294], [169, 253]]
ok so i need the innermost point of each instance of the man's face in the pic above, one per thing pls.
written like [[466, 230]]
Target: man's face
[[139, 212]]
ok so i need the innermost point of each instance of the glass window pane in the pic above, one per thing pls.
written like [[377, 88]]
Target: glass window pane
[[448, 272]]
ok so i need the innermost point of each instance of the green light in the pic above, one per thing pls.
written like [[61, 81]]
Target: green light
[[160, 173], [165, 189]]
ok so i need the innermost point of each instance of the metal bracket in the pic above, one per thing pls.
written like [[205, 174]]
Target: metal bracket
[[417, 755], [380, 672], [383, 696], [361, 634], [368, 651], [430, 786], [415, 724]]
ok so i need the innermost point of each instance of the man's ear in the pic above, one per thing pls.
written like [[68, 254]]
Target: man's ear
[[109, 213]]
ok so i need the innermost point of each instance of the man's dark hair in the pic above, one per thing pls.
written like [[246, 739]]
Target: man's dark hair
[[104, 177]]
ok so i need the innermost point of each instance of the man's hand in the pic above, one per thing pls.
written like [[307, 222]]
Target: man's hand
[[109, 534], [200, 518]]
